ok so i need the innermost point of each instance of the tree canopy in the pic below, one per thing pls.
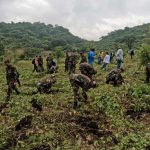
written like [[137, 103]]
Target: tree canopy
[[36, 36]]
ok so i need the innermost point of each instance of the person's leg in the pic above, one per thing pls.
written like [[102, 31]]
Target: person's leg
[[69, 68], [9, 90], [104, 65], [76, 93], [84, 95], [118, 63], [15, 88], [147, 75]]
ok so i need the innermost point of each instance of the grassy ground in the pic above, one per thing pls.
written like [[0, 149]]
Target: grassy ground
[[117, 118]]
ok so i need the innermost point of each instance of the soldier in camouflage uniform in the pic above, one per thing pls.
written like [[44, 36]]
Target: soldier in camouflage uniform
[[40, 64], [72, 63], [148, 72], [49, 61], [80, 80], [115, 77], [45, 84], [83, 58], [66, 62], [87, 69], [12, 77]]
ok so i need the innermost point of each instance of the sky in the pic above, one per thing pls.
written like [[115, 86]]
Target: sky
[[88, 19]]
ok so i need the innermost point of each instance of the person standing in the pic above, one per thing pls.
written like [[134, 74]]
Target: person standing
[[106, 60], [83, 58], [12, 78], [35, 65], [40, 64], [119, 56], [102, 55], [131, 53], [72, 63], [111, 56], [99, 59], [91, 56]]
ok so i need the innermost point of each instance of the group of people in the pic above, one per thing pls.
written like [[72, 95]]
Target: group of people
[[83, 79], [105, 58], [50, 64]]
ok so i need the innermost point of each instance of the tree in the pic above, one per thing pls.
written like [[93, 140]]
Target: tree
[[129, 40], [59, 52]]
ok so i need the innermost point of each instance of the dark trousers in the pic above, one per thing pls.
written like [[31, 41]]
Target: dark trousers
[[119, 62], [147, 75], [35, 68]]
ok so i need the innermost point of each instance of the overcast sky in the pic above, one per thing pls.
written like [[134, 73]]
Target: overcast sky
[[89, 19]]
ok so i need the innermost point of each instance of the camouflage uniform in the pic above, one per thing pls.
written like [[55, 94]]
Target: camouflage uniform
[[49, 61], [53, 68], [148, 72], [115, 77], [83, 58], [12, 77], [87, 69], [66, 62], [45, 84], [40, 64], [72, 63], [77, 81]]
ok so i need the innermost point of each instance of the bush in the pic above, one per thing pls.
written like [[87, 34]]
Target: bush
[[144, 54]]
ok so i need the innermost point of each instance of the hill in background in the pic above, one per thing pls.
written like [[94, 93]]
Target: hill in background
[[138, 33], [37, 35]]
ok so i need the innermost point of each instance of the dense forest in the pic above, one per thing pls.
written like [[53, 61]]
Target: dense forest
[[37, 35], [128, 37]]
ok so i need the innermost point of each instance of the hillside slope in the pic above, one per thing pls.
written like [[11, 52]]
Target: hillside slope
[[139, 32], [36, 35]]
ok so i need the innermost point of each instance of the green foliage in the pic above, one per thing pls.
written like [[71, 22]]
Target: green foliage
[[25, 35], [129, 40], [139, 97], [59, 52], [144, 54], [106, 104], [118, 36]]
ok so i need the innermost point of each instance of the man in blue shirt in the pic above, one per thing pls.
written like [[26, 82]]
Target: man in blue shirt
[[91, 56]]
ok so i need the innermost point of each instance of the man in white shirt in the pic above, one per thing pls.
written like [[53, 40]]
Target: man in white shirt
[[119, 56], [106, 60]]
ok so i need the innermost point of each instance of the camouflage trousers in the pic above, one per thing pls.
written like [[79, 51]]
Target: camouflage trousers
[[71, 68], [11, 87], [76, 86]]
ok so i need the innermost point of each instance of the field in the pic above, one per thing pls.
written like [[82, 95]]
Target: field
[[116, 118]]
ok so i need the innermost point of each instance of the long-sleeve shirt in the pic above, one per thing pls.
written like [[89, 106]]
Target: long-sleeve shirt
[[107, 59], [119, 54]]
